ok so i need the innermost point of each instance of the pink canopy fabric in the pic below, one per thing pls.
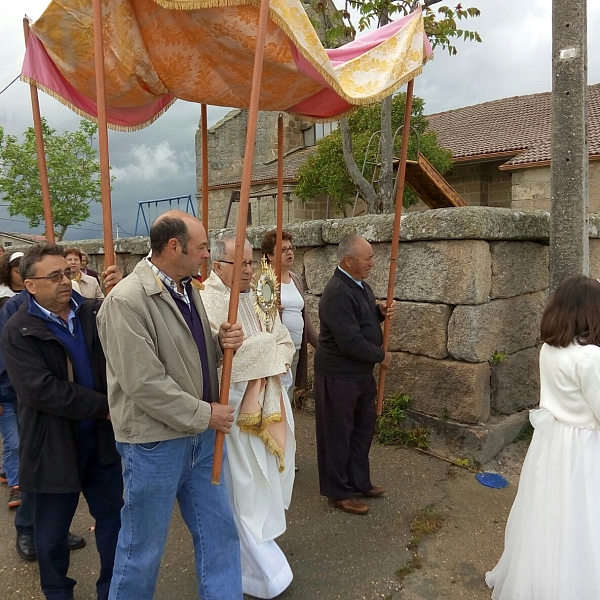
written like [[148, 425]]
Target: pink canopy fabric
[[156, 51]]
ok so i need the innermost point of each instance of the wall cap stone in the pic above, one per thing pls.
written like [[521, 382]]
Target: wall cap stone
[[468, 222]]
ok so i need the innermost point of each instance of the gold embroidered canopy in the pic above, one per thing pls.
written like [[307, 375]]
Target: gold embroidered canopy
[[203, 51]]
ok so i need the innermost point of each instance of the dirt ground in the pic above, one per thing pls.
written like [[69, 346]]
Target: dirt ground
[[335, 555]]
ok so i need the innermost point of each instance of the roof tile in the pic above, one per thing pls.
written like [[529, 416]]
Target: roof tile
[[521, 124]]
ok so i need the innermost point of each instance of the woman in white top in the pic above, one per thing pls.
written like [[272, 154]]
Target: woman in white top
[[552, 540], [293, 313]]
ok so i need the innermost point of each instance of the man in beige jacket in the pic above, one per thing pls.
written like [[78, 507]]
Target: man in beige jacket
[[163, 396]]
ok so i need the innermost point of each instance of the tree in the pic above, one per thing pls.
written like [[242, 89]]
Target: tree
[[73, 175], [326, 171], [443, 29]]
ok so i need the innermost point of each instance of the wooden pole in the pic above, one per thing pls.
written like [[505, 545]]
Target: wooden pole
[[278, 241], [41, 153], [395, 236], [204, 127], [240, 238], [107, 224]]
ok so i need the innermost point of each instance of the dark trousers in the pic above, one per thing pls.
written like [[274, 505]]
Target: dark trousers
[[24, 516], [102, 488], [345, 418]]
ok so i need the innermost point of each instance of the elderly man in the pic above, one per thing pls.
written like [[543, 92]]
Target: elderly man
[[260, 450], [55, 362], [163, 395], [349, 347]]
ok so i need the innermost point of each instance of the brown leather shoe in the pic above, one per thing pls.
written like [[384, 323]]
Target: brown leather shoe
[[374, 492], [350, 505]]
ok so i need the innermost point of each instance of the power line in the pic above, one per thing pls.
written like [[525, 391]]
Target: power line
[[15, 79]]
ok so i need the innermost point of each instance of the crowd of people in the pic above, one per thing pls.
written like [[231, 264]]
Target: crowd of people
[[106, 396], [122, 391]]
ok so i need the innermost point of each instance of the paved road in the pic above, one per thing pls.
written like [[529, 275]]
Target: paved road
[[333, 555]]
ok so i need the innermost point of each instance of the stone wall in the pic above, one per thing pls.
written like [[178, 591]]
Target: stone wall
[[471, 284], [531, 188]]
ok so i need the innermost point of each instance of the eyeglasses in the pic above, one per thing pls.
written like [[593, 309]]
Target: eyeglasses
[[57, 276], [285, 250], [247, 263]]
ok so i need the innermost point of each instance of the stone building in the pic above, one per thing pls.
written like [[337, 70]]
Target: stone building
[[8, 240], [501, 150], [226, 144], [501, 156]]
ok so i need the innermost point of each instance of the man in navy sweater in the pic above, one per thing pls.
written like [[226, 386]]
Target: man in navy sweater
[[66, 440], [349, 347]]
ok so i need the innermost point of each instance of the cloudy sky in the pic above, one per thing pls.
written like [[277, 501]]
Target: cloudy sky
[[514, 59]]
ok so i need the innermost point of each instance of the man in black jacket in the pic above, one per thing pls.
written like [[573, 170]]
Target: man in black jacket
[[56, 364], [349, 347]]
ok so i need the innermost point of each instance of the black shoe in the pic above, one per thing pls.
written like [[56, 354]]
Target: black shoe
[[75, 541], [26, 547]]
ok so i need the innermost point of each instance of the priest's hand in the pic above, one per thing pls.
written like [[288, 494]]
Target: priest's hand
[[231, 336], [221, 417]]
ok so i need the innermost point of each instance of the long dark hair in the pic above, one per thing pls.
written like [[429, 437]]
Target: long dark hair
[[573, 313]]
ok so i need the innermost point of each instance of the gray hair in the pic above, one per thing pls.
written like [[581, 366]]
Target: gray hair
[[218, 249], [347, 246]]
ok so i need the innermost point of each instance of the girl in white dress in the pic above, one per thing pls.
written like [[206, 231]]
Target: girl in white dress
[[552, 540]]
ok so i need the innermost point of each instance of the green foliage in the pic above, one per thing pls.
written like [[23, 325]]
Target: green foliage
[[441, 28], [426, 522], [390, 428], [497, 357], [73, 175], [325, 172], [467, 463]]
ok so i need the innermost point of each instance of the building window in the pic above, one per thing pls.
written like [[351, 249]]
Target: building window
[[317, 132], [6, 244]]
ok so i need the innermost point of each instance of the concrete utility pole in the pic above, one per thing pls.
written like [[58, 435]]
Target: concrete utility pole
[[569, 240]]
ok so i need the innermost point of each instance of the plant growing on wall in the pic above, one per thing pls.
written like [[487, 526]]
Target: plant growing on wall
[[390, 425]]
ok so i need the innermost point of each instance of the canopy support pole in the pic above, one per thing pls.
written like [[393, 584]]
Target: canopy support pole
[[204, 128], [395, 238], [240, 238], [107, 224], [278, 240], [41, 153]]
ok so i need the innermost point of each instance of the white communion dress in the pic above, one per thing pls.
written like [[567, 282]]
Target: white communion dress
[[259, 468], [552, 539]]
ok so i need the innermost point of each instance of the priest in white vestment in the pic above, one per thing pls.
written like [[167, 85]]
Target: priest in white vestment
[[259, 468]]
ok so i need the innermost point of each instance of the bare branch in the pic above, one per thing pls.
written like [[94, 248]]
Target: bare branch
[[366, 189]]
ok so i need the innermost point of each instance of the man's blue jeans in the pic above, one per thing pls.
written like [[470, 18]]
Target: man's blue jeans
[[9, 428], [154, 475]]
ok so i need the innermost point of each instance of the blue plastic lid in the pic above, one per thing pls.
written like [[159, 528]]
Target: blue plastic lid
[[492, 480]]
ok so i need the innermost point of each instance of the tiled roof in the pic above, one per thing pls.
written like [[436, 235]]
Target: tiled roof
[[292, 161], [520, 126]]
